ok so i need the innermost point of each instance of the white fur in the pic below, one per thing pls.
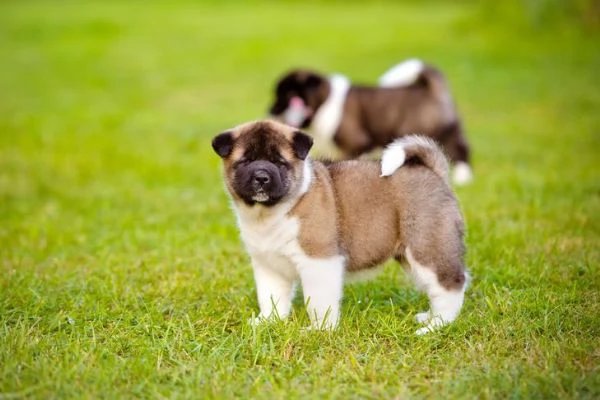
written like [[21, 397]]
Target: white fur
[[462, 173], [322, 284], [328, 117], [393, 157], [444, 304], [260, 197], [274, 288], [306, 176], [403, 74]]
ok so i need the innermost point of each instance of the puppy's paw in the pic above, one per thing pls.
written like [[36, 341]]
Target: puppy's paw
[[322, 326], [423, 317], [462, 174], [433, 324], [255, 321], [423, 331], [314, 328]]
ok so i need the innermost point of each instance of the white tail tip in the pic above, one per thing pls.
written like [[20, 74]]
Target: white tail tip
[[403, 74], [393, 157]]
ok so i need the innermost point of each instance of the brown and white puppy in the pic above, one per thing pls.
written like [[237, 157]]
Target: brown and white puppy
[[348, 120], [319, 223]]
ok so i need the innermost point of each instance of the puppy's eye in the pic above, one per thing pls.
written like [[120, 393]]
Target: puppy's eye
[[242, 161], [280, 161]]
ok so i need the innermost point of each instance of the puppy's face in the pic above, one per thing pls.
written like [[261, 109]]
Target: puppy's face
[[298, 95], [263, 161]]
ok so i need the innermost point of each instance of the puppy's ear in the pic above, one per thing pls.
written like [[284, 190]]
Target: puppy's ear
[[313, 81], [301, 144], [223, 144]]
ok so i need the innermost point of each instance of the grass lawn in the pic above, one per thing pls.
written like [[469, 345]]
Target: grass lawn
[[122, 274]]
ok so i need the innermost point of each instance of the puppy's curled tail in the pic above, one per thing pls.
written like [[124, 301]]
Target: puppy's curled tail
[[413, 71], [414, 146]]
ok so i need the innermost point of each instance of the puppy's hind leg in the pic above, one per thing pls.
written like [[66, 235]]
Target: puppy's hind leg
[[322, 284], [445, 300]]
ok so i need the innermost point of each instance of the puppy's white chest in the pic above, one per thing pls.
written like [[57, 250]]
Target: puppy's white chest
[[272, 242], [272, 235]]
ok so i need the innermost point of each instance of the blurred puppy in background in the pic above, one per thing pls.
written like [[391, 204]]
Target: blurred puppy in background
[[348, 120]]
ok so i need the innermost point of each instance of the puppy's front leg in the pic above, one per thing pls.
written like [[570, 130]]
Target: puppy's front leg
[[274, 289], [322, 284]]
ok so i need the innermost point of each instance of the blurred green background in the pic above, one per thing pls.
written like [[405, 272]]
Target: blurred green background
[[122, 273]]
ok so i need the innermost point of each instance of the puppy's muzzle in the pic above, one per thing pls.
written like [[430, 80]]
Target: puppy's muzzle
[[264, 182]]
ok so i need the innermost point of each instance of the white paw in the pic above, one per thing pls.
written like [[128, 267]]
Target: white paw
[[308, 329], [254, 322], [423, 331], [422, 317], [433, 324], [321, 326]]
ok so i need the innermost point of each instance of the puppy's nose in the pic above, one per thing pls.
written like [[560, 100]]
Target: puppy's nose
[[261, 177]]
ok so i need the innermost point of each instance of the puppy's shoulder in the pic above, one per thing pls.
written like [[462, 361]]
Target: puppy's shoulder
[[317, 214], [320, 193]]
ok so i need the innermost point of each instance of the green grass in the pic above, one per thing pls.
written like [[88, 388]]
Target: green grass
[[122, 274]]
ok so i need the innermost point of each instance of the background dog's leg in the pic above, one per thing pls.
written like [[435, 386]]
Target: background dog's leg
[[274, 290], [457, 148], [322, 284]]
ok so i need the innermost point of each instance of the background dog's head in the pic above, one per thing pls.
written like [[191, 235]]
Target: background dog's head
[[298, 95], [263, 161]]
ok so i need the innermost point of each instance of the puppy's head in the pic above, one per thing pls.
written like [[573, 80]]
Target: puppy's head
[[298, 96], [263, 161]]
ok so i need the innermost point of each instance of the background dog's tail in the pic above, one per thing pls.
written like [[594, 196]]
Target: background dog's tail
[[415, 71], [414, 146]]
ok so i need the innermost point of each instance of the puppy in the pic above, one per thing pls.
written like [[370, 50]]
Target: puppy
[[348, 120], [318, 223]]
